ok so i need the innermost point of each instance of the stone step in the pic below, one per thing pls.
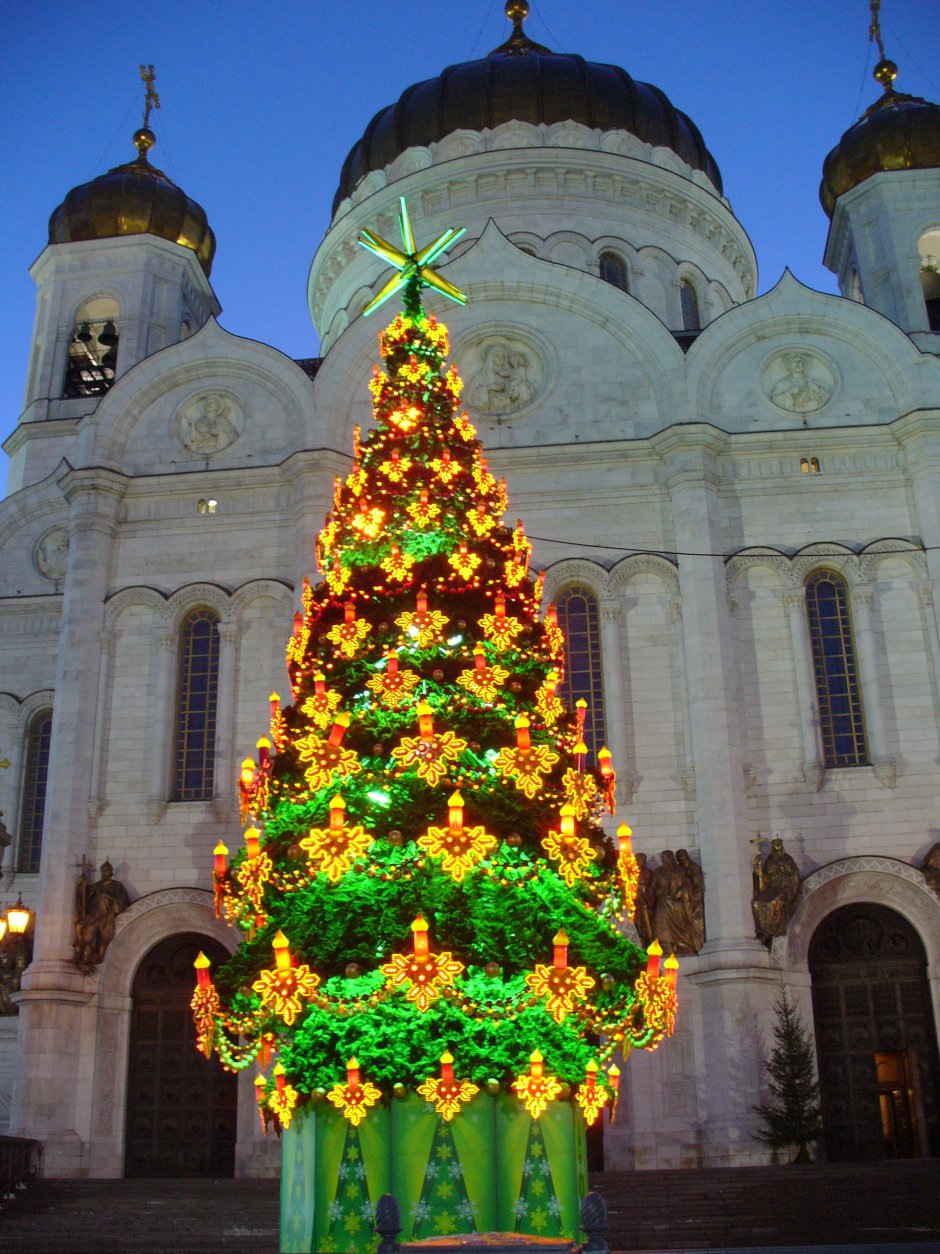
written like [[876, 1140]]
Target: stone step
[[838, 1204]]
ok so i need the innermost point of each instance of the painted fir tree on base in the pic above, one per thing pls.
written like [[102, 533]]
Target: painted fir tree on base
[[792, 1116], [431, 914]]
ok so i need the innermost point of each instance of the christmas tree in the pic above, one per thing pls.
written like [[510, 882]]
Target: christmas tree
[[429, 907], [793, 1115]]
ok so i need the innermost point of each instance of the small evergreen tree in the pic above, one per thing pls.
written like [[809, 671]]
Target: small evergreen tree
[[793, 1115]]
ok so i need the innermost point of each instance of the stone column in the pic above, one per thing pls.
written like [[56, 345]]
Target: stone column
[[54, 1034], [615, 705], [165, 662], [311, 499], [223, 786], [97, 801], [727, 976], [794, 602], [869, 678], [926, 597]]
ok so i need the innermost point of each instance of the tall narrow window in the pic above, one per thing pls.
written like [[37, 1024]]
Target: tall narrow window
[[613, 270], [35, 775], [196, 702], [928, 246], [91, 363], [579, 619], [688, 298], [836, 672]]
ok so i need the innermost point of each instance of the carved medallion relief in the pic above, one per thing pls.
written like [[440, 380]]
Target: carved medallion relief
[[50, 556], [505, 371], [798, 381], [209, 423]]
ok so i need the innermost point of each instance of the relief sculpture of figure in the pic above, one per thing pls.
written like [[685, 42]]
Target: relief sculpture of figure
[[643, 918], [97, 907], [798, 391], [931, 867], [674, 908], [776, 889], [696, 889]]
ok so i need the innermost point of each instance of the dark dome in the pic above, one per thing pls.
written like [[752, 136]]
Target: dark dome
[[134, 199], [898, 132], [525, 82]]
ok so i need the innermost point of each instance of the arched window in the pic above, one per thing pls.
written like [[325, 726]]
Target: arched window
[[92, 355], [838, 693], [579, 619], [197, 695], [613, 270], [35, 776], [688, 297]]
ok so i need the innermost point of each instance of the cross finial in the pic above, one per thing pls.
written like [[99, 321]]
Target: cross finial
[[874, 30], [151, 99]]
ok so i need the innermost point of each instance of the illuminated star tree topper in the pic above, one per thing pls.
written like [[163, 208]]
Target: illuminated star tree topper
[[413, 265]]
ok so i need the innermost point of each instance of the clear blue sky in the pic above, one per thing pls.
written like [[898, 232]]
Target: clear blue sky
[[261, 103]]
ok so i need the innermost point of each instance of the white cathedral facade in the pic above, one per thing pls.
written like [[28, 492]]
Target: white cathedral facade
[[739, 496]]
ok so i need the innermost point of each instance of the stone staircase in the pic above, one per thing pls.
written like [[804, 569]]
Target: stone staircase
[[816, 1204], [873, 1204]]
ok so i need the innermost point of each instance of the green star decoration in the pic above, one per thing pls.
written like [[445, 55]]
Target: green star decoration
[[413, 265]]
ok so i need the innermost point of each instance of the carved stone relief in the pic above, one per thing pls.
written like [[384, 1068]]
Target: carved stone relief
[[506, 373], [50, 556], [209, 423], [798, 381]]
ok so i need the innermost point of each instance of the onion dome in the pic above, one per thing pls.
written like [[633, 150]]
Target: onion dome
[[525, 82], [898, 132], [134, 199]]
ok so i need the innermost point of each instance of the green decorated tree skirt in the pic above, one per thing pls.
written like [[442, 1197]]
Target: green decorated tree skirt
[[491, 1169]]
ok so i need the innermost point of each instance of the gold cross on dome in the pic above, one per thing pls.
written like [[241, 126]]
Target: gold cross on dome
[[413, 265], [151, 100]]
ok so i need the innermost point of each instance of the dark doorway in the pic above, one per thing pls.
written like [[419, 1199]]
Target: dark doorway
[[876, 1044], [181, 1108]]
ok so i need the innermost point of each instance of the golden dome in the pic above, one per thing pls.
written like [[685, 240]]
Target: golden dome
[[134, 199], [898, 132], [526, 82]]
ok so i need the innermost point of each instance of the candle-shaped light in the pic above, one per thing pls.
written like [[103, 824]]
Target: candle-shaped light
[[523, 738], [425, 721], [349, 612], [455, 816], [248, 772], [671, 970], [580, 709], [613, 1077], [536, 1065], [264, 752], [202, 964], [352, 1073], [551, 615], [281, 946], [319, 683], [560, 941], [337, 813], [624, 834], [252, 842], [275, 699], [392, 664], [280, 1077], [422, 603], [568, 815], [551, 683], [653, 955], [339, 729], [590, 1075], [298, 623], [479, 657], [420, 931], [220, 853], [260, 1085], [605, 764], [499, 604], [447, 1067], [580, 755]]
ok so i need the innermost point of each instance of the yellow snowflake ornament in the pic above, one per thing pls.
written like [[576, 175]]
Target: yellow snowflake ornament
[[445, 1093], [561, 986], [535, 1089], [429, 752], [526, 764], [572, 852], [422, 974], [459, 848], [589, 1097], [283, 988], [333, 850], [355, 1097]]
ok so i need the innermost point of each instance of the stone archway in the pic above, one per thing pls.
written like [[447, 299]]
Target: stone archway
[[181, 1108], [875, 1039]]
